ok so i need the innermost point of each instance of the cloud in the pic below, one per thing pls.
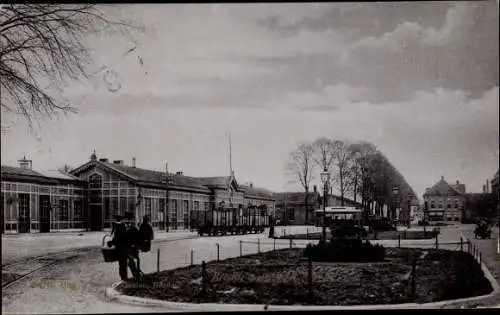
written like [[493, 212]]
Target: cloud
[[408, 34], [326, 99]]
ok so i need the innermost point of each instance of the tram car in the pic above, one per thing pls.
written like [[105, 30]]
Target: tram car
[[229, 221]]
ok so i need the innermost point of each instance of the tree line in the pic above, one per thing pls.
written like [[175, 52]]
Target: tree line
[[358, 170]]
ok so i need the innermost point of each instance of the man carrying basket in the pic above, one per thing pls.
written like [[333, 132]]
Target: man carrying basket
[[126, 247]]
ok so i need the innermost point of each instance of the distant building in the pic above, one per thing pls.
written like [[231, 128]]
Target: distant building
[[34, 201], [445, 202], [479, 205], [291, 208]]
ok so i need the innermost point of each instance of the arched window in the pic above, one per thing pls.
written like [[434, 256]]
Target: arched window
[[95, 181]]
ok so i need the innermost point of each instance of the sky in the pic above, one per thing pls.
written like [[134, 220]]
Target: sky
[[419, 80]]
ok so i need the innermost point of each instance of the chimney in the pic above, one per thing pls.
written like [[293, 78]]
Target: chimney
[[133, 162], [25, 164], [179, 173], [104, 160], [119, 162], [315, 188]]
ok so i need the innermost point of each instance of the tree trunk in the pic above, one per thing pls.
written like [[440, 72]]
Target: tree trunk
[[341, 190], [355, 189], [306, 205]]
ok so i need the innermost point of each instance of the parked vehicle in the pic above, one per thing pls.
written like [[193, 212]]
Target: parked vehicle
[[229, 221], [483, 231], [381, 224]]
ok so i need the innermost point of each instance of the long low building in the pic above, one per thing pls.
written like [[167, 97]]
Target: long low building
[[88, 197]]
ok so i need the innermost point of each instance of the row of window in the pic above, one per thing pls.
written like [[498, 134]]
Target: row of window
[[35, 188], [440, 206]]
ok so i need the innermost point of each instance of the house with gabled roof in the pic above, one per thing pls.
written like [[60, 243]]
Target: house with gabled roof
[[445, 202], [172, 201]]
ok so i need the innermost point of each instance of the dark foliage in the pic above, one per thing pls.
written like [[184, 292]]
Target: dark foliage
[[345, 250]]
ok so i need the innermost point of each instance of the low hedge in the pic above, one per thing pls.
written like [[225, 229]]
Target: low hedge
[[345, 250]]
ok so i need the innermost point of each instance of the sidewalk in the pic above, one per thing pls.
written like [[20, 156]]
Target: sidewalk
[[19, 246]]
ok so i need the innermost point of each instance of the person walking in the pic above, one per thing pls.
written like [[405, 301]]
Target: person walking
[[271, 226], [119, 241], [146, 235], [132, 246]]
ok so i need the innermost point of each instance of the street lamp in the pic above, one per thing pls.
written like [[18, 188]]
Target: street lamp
[[222, 203], [325, 178], [395, 194], [410, 197]]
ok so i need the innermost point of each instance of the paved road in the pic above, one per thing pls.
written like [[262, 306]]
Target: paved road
[[21, 246]]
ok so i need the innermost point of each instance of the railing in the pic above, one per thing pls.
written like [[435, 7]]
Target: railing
[[220, 271]]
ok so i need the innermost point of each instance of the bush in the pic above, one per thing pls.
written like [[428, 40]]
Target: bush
[[345, 250]]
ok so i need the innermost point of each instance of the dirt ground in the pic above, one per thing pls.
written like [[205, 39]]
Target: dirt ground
[[281, 278]]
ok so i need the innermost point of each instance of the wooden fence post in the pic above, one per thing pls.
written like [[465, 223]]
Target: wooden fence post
[[480, 259], [241, 248], [274, 244], [192, 260], [309, 277], [413, 276], [437, 245], [399, 240], [307, 233], [468, 246], [461, 244], [290, 243], [218, 251], [203, 276], [158, 260], [258, 245]]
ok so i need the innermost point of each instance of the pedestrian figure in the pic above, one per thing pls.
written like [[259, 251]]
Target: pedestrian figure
[[146, 235], [271, 227], [120, 242], [132, 246]]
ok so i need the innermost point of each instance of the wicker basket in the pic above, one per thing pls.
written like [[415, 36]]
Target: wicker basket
[[110, 254]]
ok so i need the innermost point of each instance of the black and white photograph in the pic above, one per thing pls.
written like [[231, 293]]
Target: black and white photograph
[[254, 156]]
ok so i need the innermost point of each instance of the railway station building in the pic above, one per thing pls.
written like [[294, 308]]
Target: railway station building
[[86, 198]]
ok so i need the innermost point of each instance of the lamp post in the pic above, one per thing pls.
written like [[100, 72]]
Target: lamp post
[[426, 207], [410, 197], [222, 203], [325, 178], [395, 194], [168, 179]]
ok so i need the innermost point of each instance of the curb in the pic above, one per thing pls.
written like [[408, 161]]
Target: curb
[[113, 295]]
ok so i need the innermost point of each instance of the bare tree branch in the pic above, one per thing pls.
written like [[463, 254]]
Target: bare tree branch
[[301, 167], [42, 45]]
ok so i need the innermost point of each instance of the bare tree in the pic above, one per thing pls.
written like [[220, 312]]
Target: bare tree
[[323, 154], [361, 153], [301, 167], [41, 47], [342, 166]]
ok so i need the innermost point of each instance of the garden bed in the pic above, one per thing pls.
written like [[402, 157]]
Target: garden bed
[[281, 278], [383, 235], [403, 235]]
